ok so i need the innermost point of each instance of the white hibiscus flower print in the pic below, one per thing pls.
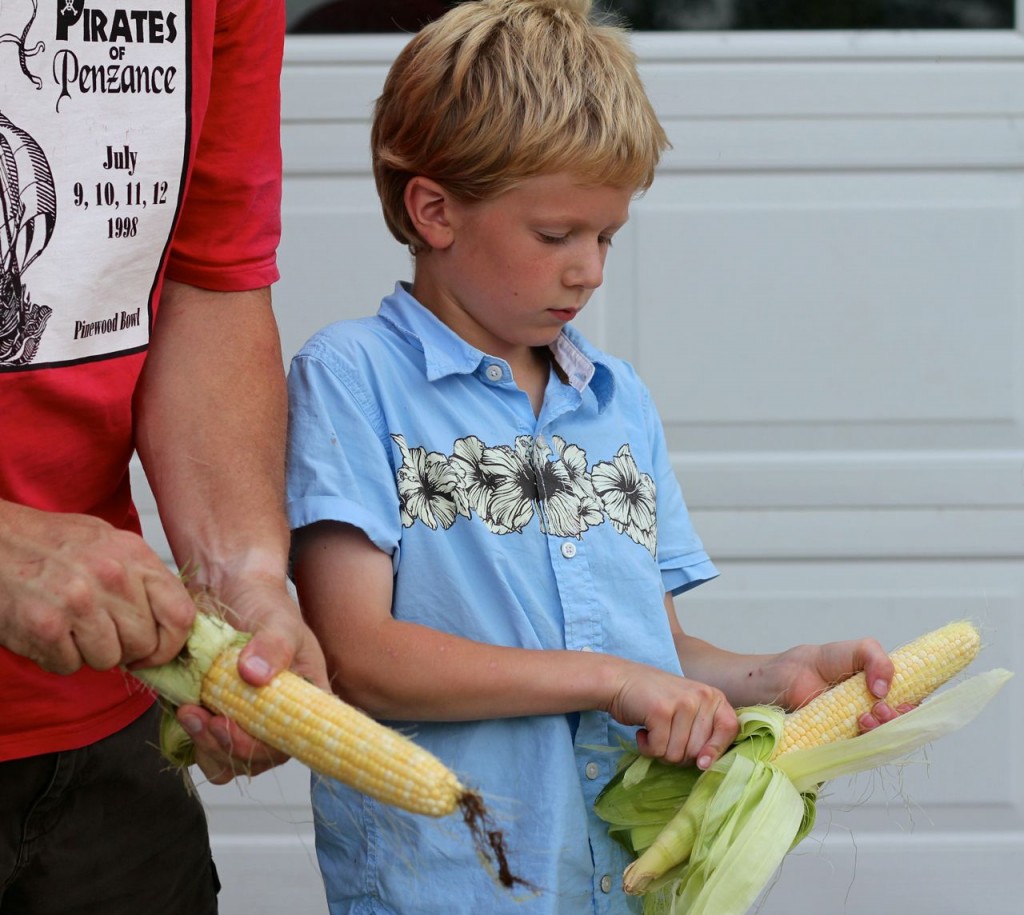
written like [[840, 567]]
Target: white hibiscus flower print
[[511, 488], [507, 485], [427, 487], [629, 498], [476, 487], [558, 501], [574, 460]]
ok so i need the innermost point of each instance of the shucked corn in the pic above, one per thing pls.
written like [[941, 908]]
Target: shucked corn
[[300, 719], [921, 667], [332, 738]]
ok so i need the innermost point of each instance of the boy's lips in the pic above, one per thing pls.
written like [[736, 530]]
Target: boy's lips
[[564, 314]]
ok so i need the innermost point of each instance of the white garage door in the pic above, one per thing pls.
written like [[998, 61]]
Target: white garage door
[[825, 291]]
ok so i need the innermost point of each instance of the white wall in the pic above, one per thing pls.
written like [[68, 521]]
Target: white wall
[[824, 290]]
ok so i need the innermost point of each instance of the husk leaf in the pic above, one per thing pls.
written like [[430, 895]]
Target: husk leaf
[[733, 824], [179, 682]]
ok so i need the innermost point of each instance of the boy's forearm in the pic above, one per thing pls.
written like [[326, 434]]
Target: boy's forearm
[[450, 678], [746, 679], [396, 669]]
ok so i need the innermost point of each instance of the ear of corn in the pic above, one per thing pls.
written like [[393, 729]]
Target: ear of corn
[[921, 667], [332, 738], [313, 726], [941, 714], [731, 826]]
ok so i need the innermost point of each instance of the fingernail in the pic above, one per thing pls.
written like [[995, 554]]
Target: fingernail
[[191, 724], [703, 762], [257, 667], [880, 688]]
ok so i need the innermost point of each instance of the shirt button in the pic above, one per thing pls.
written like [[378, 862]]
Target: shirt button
[[494, 373], [593, 770], [606, 884], [568, 549]]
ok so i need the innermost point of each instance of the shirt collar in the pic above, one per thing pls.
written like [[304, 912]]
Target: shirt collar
[[446, 353]]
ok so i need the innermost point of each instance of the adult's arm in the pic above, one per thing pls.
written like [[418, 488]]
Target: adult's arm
[[210, 410]]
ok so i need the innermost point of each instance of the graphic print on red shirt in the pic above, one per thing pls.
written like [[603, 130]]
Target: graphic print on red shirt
[[88, 203]]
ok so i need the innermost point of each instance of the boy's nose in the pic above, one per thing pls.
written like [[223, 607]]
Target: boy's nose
[[588, 271]]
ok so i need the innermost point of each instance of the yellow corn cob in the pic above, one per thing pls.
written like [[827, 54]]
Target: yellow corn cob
[[921, 667], [315, 727], [332, 738]]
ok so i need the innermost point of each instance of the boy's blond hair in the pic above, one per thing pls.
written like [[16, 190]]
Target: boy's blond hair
[[497, 91]]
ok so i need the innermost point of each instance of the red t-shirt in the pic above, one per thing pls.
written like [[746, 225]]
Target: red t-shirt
[[135, 142]]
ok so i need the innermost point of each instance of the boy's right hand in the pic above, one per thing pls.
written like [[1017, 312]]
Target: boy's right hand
[[681, 720]]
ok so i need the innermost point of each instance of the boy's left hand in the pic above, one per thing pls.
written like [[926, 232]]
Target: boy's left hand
[[818, 667]]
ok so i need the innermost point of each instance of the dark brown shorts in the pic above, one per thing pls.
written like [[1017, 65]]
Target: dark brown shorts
[[109, 829]]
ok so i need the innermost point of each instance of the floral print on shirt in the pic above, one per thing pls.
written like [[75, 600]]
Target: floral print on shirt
[[507, 485]]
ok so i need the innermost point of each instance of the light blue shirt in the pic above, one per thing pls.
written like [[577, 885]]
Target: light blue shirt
[[557, 532]]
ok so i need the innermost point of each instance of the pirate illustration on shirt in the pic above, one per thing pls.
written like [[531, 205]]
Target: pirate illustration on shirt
[[28, 207]]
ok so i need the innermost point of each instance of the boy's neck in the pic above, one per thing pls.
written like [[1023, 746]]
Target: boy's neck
[[531, 375], [531, 366]]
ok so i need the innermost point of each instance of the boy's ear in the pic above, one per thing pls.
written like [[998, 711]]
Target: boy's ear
[[428, 206]]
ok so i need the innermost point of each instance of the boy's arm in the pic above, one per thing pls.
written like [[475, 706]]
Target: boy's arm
[[790, 678], [402, 670]]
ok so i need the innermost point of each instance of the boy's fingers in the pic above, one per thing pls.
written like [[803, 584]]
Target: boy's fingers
[[726, 727], [643, 743]]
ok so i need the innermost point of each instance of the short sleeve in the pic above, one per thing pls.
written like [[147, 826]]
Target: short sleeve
[[683, 561], [339, 456], [230, 224]]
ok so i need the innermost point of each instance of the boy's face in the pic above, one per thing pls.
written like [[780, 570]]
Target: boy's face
[[521, 266]]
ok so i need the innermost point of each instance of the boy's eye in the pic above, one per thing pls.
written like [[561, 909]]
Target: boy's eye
[[604, 240]]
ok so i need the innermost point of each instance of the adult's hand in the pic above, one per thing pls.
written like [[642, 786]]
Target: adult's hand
[[75, 591], [280, 641]]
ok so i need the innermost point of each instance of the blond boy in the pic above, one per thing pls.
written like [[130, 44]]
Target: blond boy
[[489, 530]]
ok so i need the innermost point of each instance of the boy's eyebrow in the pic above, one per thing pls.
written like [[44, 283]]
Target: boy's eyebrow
[[572, 224], [574, 221]]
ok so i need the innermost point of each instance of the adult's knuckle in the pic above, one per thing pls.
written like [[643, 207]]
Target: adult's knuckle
[[77, 593], [46, 626], [62, 663], [112, 575], [104, 656]]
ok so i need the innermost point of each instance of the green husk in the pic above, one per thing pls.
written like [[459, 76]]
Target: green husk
[[713, 814], [707, 843], [180, 681], [942, 714]]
